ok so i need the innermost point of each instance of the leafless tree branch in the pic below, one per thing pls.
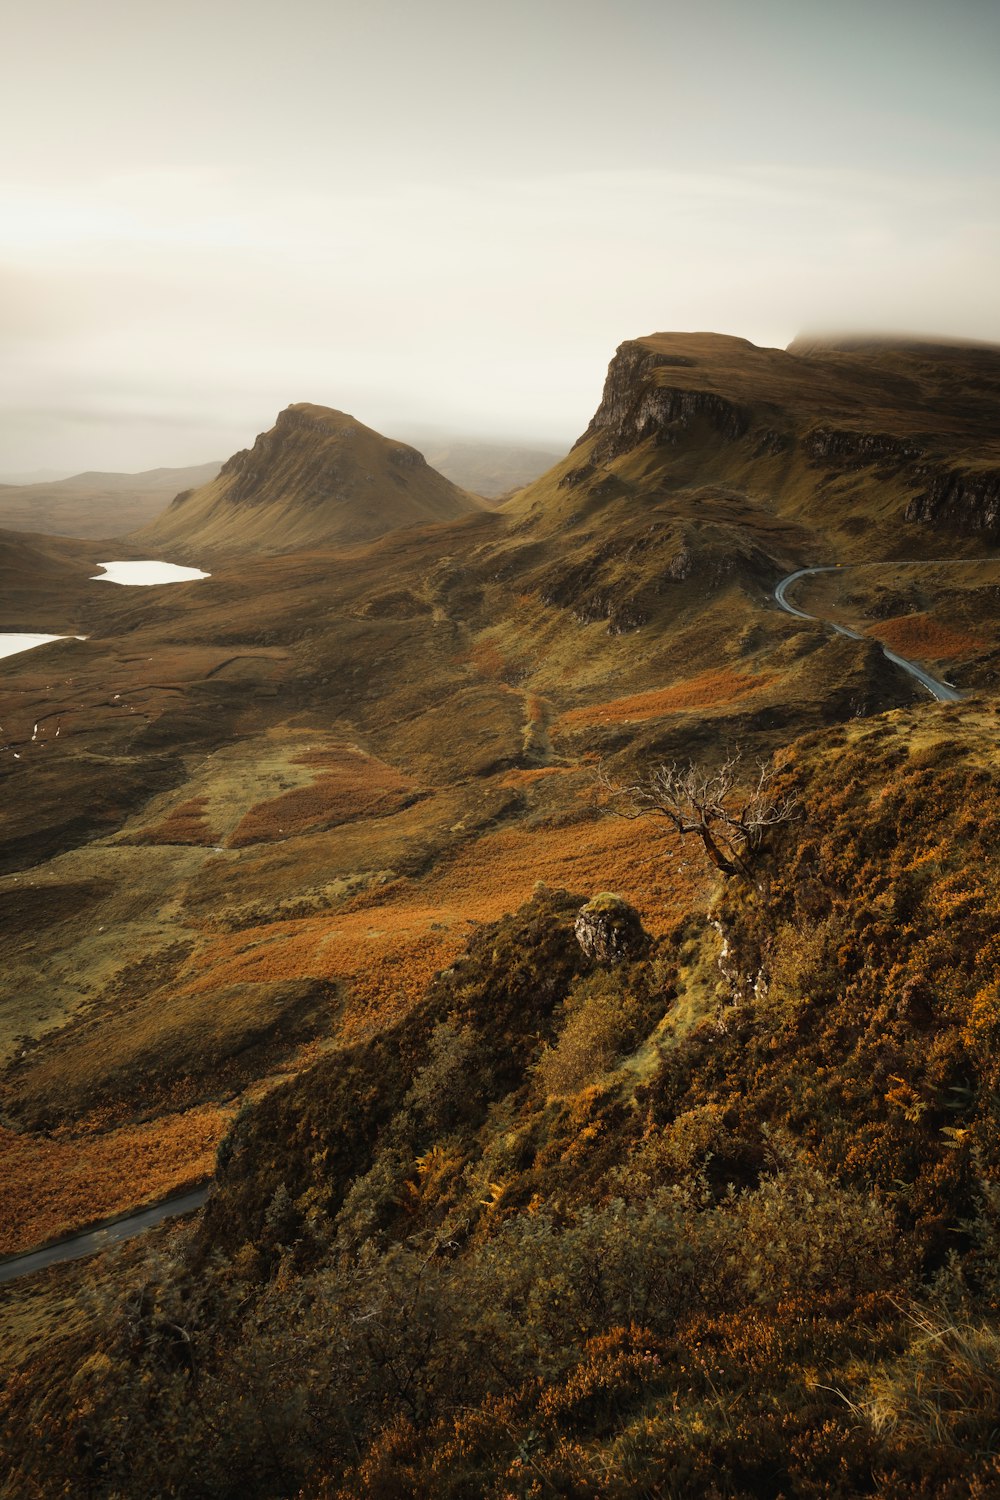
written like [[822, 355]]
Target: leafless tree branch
[[729, 819]]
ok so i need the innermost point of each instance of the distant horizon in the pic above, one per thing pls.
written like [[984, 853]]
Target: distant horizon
[[425, 434], [430, 432]]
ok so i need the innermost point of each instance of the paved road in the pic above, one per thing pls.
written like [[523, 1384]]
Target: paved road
[[94, 1240], [937, 688]]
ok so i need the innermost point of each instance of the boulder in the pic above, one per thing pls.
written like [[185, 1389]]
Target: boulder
[[610, 931]]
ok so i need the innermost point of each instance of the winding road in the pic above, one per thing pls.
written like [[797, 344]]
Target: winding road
[[943, 691], [90, 1241]]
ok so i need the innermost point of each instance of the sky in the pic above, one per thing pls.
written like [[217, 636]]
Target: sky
[[446, 215]]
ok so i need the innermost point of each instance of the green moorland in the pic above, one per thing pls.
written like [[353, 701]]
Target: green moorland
[[294, 888]]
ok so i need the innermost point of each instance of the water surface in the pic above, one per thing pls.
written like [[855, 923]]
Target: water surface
[[12, 643], [146, 573]]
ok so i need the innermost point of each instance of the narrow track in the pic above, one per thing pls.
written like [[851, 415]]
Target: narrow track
[[943, 691], [91, 1241]]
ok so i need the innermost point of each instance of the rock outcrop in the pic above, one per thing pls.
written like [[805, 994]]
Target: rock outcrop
[[610, 931], [638, 403], [967, 503]]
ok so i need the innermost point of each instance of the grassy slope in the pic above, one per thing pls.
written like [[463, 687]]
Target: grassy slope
[[317, 477], [397, 743], [712, 1219]]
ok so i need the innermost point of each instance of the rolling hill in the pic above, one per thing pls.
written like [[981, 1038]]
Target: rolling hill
[[96, 504]]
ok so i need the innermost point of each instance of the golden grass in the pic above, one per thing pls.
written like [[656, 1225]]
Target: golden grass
[[351, 785], [922, 635], [54, 1185], [707, 690], [385, 946]]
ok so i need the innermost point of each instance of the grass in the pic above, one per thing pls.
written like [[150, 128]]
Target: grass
[[708, 690], [57, 1184]]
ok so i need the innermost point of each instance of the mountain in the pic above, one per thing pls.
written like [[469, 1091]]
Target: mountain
[[884, 444], [492, 470], [301, 867], [317, 477], [95, 504]]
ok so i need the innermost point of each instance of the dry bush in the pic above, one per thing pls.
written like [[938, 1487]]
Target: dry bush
[[605, 1020]]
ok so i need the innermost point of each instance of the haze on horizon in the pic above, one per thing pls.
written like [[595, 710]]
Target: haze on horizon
[[448, 216]]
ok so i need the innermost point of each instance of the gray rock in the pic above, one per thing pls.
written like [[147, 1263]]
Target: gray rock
[[610, 931]]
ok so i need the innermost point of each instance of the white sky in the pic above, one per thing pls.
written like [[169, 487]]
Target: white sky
[[449, 214]]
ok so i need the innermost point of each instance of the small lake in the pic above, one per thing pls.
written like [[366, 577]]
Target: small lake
[[146, 573], [12, 644]]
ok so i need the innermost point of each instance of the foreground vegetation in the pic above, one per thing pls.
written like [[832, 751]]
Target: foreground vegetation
[[718, 1219]]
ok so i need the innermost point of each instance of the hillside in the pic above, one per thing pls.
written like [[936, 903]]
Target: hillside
[[273, 889], [316, 478], [96, 504]]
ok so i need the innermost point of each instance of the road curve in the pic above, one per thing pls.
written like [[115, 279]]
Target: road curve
[[943, 691], [91, 1241]]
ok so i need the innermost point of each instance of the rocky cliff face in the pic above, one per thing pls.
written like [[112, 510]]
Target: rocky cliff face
[[638, 403], [966, 503]]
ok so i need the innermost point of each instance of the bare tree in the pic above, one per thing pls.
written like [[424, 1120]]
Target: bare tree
[[730, 819]]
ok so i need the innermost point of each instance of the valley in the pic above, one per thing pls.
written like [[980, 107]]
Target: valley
[[285, 850]]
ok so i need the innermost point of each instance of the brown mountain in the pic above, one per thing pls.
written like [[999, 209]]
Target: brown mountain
[[96, 504], [317, 478], [877, 446]]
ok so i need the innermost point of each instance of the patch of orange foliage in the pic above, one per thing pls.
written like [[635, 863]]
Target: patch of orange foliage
[[922, 635], [184, 825], [54, 1185], [707, 690], [350, 785], [487, 660], [387, 945], [538, 773]]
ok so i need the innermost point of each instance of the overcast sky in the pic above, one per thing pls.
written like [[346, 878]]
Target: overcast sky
[[449, 212]]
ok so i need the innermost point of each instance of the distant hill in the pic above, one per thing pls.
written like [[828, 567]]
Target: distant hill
[[96, 504], [492, 470], [318, 477]]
